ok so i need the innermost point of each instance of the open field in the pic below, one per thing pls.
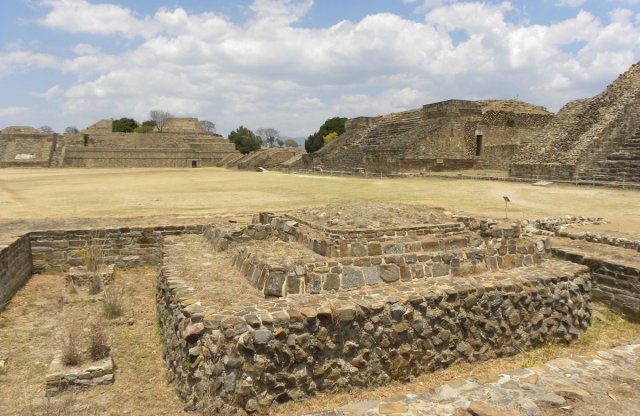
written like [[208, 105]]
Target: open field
[[65, 198]]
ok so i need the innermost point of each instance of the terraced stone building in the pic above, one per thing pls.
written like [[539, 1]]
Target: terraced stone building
[[453, 134], [596, 138], [182, 143]]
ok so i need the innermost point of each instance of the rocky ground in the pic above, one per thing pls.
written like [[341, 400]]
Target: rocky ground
[[363, 215], [604, 383]]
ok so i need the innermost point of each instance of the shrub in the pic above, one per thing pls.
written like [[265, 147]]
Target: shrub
[[92, 255], [316, 140], [113, 302], [70, 351], [95, 284], [98, 340]]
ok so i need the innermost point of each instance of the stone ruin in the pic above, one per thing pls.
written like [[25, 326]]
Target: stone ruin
[[358, 295], [336, 306], [595, 139], [453, 134], [25, 147], [182, 144], [591, 139]]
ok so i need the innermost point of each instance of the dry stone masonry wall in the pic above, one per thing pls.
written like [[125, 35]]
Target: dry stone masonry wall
[[362, 319], [590, 139], [293, 347], [331, 315], [15, 268], [126, 247]]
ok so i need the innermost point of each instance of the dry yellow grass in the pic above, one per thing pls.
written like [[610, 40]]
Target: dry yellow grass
[[30, 330], [69, 197]]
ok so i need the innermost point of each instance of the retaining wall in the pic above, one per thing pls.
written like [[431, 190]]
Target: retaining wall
[[15, 268], [59, 250], [615, 282], [347, 273], [294, 347]]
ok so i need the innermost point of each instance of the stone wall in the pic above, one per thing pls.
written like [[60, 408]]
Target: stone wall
[[60, 250], [348, 273], [294, 347], [616, 282], [81, 157], [143, 140], [272, 157], [497, 156], [15, 268], [24, 149]]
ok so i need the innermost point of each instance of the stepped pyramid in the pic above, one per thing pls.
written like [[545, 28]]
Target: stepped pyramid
[[596, 138], [453, 134]]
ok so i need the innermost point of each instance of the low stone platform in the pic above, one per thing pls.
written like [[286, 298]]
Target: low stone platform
[[60, 378], [254, 354], [605, 383]]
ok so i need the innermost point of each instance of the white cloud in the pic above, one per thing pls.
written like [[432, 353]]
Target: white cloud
[[22, 60], [571, 3], [85, 49], [12, 112], [80, 16], [269, 71]]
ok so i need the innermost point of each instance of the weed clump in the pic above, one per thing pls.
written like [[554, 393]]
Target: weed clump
[[70, 351], [95, 284], [98, 340], [113, 302], [92, 255]]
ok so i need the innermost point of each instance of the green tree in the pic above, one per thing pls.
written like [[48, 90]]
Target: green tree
[[148, 126], [316, 140], [245, 140], [124, 125], [290, 143]]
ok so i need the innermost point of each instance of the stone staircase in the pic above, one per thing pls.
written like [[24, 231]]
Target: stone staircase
[[345, 152], [392, 125], [623, 164]]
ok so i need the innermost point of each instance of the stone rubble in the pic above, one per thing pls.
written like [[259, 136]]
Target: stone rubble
[[60, 378], [605, 383]]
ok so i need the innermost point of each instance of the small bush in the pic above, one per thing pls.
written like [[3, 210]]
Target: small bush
[[70, 351], [92, 254], [113, 302], [95, 284], [72, 289], [98, 340]]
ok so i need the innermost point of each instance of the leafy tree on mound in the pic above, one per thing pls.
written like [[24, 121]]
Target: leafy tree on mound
[[245, 140], [124, 125], [316, 140], [148, 126]]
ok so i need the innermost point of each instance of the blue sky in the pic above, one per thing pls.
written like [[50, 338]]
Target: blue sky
[[290, 64]]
